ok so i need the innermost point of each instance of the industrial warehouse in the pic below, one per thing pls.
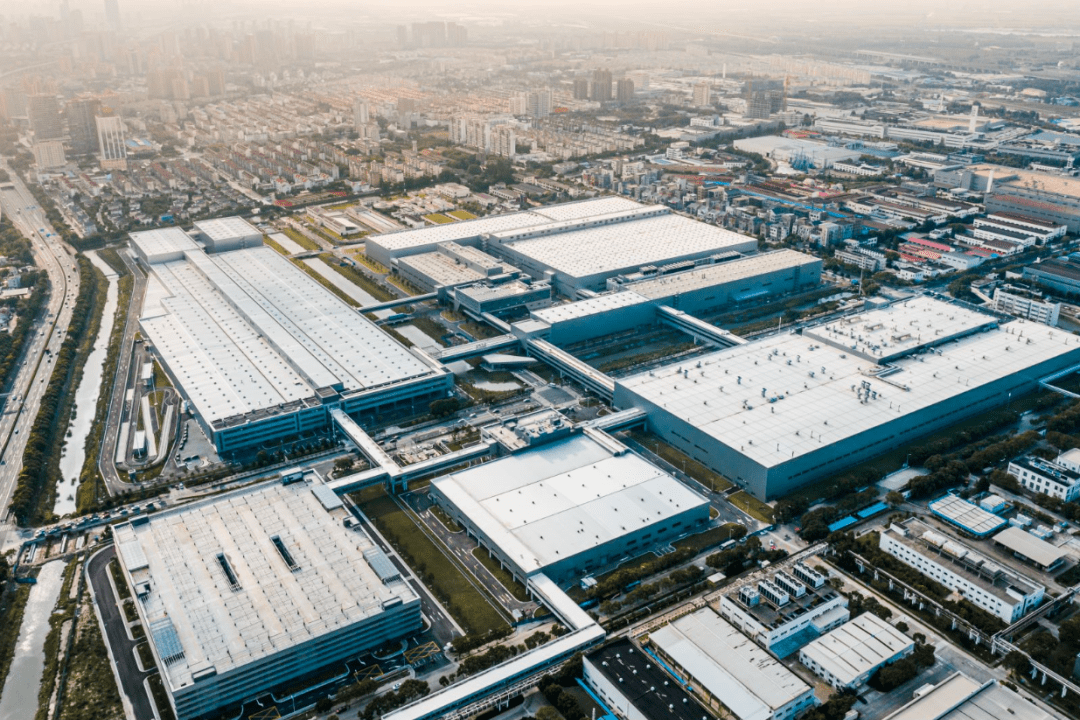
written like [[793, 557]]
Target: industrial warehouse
[[577, 246], [256, 587], [261, 350], [569, 507], [888, 375]]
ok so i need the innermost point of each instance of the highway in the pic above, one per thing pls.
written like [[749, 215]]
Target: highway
[[36, 365]]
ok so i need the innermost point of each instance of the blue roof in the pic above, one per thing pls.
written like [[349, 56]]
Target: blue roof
[[166, 640], [872, 510], [842, 523]]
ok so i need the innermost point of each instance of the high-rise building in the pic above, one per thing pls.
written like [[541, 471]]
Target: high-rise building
[[503, 141], [44, 111], [82, 128], [111, 143], [49, 154], [534, 104], [624, 90], [14, 103], [215, 82], [112, 14], [601, 85], [581, 89], [456, 35], [702, 95], [402, 36], [361, 114]]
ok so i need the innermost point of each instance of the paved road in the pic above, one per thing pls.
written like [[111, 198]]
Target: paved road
[[54, 256], [123, 648], [107, 456]]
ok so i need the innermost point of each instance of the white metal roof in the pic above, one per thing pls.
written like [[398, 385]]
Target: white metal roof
[[441, 269], [247, 330], [856, 647], [1024, 543], [739, 673], [227, 228], [456, 231], [164, 243], [707, 276], [764, 398], [275, 607], [967, 514], [590, 306], [546, 504], [626, 242], [958, 697], [587, 208]]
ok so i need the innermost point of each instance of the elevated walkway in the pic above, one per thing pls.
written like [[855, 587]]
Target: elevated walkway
[[697, 328], [480, 347], [496, 685], [567, 364], [399, 301], [619, 420]]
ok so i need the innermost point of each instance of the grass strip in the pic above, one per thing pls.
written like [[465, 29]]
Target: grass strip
[[471, 609], [358, 278], [13, 600], [710, 479], [751, 506], [505, 578], [325, 282], [301, 239]]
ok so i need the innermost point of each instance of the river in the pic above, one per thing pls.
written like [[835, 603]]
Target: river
[[86, 397], [20, 699]]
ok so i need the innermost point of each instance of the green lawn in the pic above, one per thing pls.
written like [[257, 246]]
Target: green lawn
[[301, 239], [461, 215], [471, 609], [712, 480], [751, 506], [438, 218], [358, 278], [709, 538], [513, 586], [318, 277]]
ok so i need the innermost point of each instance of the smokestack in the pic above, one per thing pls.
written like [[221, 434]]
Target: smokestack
[[974, 118], [725, 72], [990, 182]]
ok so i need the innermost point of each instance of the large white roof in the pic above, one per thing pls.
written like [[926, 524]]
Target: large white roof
[[628, 241], [163, 243], [764, 398], [247, 330], [856, 647], [227, 228], [707, 276], [590, 306], [546, 504], [274, 607], [730, 666]]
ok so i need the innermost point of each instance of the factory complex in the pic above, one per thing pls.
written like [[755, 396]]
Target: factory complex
[[260, 349], [576, 246], [256, 587], [889, 375], [569, 507]]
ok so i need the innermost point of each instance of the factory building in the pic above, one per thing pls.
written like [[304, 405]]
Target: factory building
[[972, 575], [261, 351], [890, 374], [581, 254], [969, 517], [452, 264], [785, 609], [1031, 549], [847, 657], [1059, 479], [1052, 199], [230, 233], [501, 298], [958, 697], [601, 315], [574, 246], [386, 247], [631, 682], [713, 286], [569, 507], [727, 670], [248, 591]]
